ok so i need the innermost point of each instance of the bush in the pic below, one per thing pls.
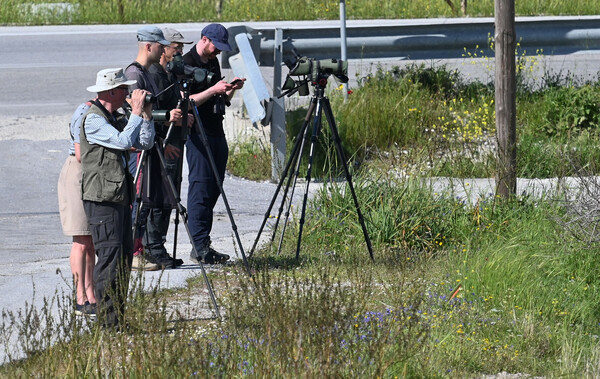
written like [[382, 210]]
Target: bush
[[250, 159], [572, 110]]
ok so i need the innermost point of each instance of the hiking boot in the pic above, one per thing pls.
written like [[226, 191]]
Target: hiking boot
[[140, 263], [209, 256], [176, 261], [164, 260]]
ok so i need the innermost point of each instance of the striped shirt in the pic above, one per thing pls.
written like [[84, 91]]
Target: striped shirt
[[75, 126]]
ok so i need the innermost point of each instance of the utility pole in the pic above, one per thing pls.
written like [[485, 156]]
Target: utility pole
[[344, 43], [506, 119]]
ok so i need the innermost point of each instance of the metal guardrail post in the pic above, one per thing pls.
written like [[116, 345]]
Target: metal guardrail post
[[278, 131]]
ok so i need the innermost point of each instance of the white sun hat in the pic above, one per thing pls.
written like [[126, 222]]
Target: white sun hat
[[110, 78]]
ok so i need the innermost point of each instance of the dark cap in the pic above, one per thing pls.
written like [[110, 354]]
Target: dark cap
[[150, 33], [218, 35]]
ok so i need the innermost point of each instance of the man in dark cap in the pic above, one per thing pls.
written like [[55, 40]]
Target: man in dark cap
[[153, 254], [168, 89], [203, 190]]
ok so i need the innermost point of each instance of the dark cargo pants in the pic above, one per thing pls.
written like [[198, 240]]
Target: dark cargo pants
[[158, 218], [110, 224]]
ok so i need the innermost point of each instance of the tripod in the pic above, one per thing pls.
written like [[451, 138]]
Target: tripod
[[185, 105], [319, 103]]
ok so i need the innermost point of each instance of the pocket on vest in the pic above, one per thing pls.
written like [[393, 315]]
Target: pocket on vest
[[114, 189]]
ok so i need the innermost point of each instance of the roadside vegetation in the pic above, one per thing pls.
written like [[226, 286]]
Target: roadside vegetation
[[40, 12], [419, 120], [460, 286], [457, 289]]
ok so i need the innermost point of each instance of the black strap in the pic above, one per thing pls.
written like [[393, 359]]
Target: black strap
[[136, 64]]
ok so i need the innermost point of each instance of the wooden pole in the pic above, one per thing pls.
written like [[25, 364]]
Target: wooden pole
[[344, 42], [506, 120]]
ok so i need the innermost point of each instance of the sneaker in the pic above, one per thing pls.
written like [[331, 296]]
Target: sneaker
[[90, 309], [86, 309], [80, 309], [139, 263], [209, 256]]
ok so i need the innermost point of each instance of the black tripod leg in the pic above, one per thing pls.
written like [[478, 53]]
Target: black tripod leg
[[175, 232], [178, 189], [293, 156], [313, 140], [204, 139], [293, 175], [341, 155], [182, 211], [138, 192], [183, 105], [284, 174], [284, 196]]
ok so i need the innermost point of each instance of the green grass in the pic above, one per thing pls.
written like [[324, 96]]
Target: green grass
[[430, 121], [13, 12], [527, 288], [527, 301], [250, 159]]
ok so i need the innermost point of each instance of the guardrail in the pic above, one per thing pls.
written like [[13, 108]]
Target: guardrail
[[274, 43], [418, 39]]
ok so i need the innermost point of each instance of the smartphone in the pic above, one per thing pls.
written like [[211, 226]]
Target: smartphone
[[235, 82]]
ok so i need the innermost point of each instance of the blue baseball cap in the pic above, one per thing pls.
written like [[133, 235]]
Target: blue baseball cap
[[218, 35], [150, 33]]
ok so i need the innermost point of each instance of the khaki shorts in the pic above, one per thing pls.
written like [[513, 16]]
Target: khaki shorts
[[72, 216]]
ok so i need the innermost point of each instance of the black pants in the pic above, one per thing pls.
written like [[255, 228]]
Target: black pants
[[203, 190], [159, 215], [110, 224]]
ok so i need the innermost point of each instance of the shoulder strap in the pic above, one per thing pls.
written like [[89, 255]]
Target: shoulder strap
[[136, 64]]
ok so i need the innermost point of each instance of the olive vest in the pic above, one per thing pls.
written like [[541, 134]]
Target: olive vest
[[104, 177]]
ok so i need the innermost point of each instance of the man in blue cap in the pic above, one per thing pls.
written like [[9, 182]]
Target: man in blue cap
[[203, 190]]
